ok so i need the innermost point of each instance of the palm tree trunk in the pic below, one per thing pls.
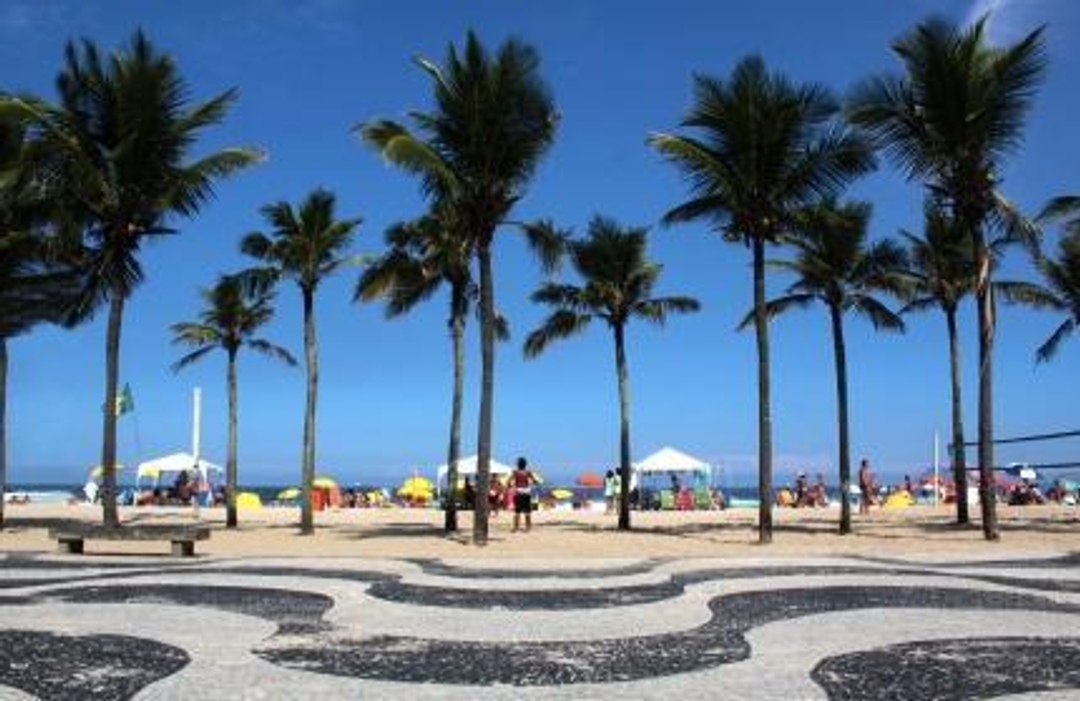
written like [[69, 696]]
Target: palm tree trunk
[[761, 326], [487, 387], [457, 337], [984, 296], [3, 425], [624, 429], [959, 458], [230, 459], [840, 353], [110, 515], [307, 519]]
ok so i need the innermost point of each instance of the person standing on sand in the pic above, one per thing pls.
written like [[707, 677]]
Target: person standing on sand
[[609, 492], [521, 479], [866, 486]]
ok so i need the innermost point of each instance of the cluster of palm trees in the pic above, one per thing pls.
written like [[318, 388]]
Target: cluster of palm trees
[[85, 182]]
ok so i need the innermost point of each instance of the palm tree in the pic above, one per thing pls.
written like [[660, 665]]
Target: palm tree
[[618, 285], [307, 244], [229, 321], [942, 272], [763, 148], [837, 267], [32, 288], [423, 255], [950, 121], [476, 152], [114, 156]]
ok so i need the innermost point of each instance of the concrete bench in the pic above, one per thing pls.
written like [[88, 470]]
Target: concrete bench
[[182, 536]]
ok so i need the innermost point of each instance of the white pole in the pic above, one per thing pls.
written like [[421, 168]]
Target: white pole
[[195, 420], [937, 486]]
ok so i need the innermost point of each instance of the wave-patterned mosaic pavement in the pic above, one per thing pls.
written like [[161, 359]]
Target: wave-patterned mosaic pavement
[[841, 628]]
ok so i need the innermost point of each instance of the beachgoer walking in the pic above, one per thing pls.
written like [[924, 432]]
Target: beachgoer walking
[[866, 486], [609, 492], [521, 479]]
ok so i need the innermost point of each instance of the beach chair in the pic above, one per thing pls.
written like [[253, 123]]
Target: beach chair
[[667, 500]]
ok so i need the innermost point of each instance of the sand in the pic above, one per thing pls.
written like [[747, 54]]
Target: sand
[[416, 533]]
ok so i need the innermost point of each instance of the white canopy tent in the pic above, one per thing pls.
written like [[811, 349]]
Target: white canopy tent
[[466, 467], [668, 459], [175, 463]]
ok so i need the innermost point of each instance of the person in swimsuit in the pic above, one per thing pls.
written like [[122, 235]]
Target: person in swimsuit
[[522, 480], [866, 487]]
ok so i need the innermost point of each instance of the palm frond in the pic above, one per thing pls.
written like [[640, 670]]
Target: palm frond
[[778, 306], [191, 358], [271, 350], [561, 324]]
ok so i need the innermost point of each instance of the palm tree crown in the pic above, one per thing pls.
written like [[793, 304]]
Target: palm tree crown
[[306, 243], [618, 286], [766, 147], [836, 265], [231, 316], [115, 151]]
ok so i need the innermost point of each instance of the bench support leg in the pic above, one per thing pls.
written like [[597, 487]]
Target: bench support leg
[[183, 548], [71, 547]]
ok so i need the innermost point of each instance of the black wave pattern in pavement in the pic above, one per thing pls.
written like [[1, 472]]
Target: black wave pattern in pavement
[[100, 667], [294, 612], [720, 641], [952, 669]]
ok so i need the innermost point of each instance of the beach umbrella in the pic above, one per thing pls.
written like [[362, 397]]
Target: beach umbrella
[[248, 501], [324, 482], [288, 494], [418, 488], [590, 480], [561, 493]]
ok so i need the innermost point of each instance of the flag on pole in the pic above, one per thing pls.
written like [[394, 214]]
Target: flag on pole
[[125, 402]]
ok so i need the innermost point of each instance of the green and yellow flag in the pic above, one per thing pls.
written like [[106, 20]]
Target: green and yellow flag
[[125, 402]]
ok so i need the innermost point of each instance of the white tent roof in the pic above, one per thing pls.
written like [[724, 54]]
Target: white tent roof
[[668, 459], [177, 462], [467, 466]]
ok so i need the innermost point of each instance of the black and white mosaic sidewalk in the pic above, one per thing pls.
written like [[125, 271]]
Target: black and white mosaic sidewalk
[[842, 628]]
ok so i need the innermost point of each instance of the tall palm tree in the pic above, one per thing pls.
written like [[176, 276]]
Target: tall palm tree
[[836, 266], [229, 321], [114, 154], [760, 148], [476, 151], [950, 120], [942, 271], [618, 284], [306, 244], [33, 289], [424, 254]]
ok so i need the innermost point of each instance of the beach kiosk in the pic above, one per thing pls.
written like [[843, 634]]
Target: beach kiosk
[[161, 473]]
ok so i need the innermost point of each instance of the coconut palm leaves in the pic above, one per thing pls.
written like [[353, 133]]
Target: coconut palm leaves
[[233, 314], [758, 149], [114, 157], [306, 244], [618, 287], [475, 152], [1062, 276], [837, 267], [950, 120]]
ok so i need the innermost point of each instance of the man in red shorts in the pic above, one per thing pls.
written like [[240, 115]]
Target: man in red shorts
[[522, 480]]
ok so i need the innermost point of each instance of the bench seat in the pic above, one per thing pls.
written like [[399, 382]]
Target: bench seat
[[182, 536]]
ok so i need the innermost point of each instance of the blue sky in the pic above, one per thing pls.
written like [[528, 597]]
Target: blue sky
[[309, 69]]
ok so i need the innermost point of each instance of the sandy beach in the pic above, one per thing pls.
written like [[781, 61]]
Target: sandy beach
[[416, 533]]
